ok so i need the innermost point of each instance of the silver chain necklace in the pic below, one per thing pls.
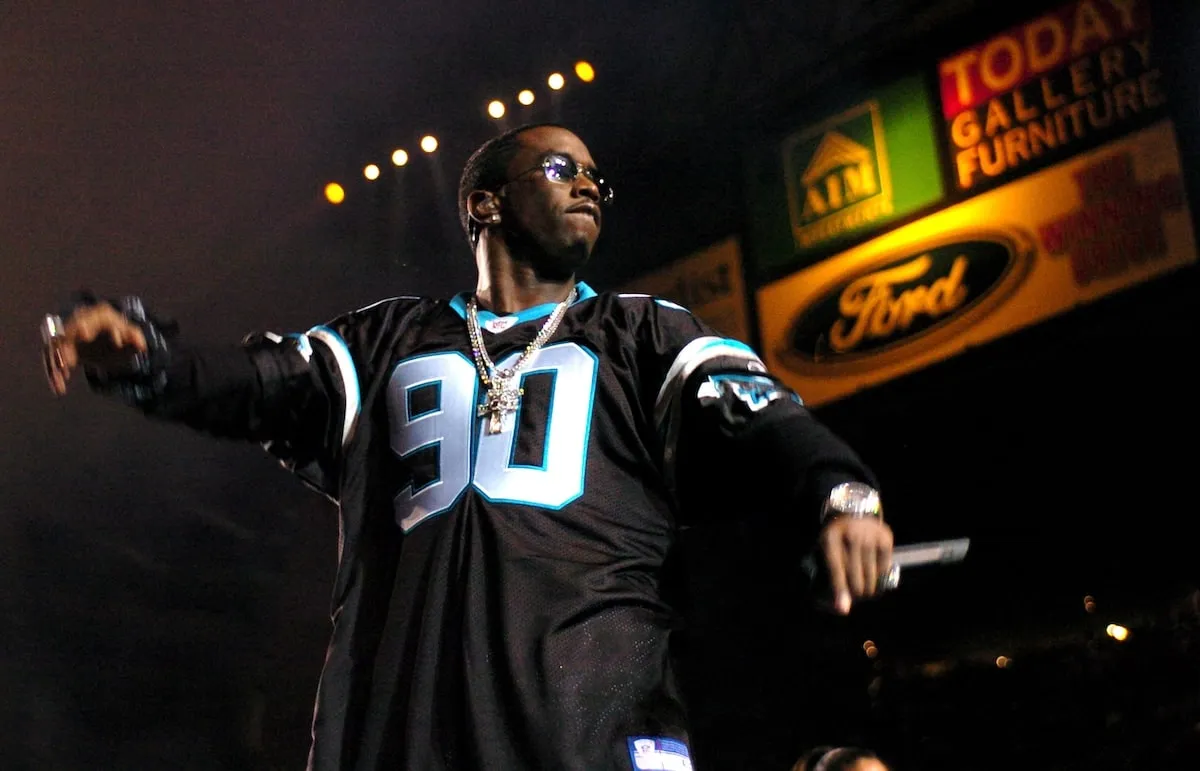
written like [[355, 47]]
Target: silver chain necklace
[[504, 396]]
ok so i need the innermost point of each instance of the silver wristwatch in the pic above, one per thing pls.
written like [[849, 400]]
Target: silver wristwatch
[[852, 499]]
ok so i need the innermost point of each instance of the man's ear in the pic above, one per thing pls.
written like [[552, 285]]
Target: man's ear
[[483, 207]]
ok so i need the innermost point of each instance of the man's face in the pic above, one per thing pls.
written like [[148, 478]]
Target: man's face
[[559, 220]]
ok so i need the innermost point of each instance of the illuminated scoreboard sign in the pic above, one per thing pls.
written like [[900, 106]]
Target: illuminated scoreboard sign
[[1049, 89]]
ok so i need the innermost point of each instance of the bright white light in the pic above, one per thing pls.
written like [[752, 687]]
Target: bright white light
[[495, 108], [371, 172], [400, 157], [556, 81], [429, 143], [525, 97], [1117, 632]]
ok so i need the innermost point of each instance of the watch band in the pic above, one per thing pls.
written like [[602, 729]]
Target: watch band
[[852, 499]]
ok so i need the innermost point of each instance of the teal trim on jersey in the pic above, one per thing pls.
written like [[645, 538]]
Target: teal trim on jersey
[[415, 489], [657, 301], [585, 292], [726, 342], [673, 306], [345, 363], [459, 305], [583, 460], [440, 443], [408, 400], [302, 344]]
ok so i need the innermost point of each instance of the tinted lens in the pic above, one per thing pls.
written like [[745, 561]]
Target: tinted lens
[[559, 168]]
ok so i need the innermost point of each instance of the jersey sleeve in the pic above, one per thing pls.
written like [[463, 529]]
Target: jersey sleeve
[[343, 358], [296, 394], [735, 438], [322, 419]]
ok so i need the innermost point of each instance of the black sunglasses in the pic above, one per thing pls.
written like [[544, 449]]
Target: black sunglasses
[[560, 167]]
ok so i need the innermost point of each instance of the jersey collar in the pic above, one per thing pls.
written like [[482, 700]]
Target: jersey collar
[[493, 323]]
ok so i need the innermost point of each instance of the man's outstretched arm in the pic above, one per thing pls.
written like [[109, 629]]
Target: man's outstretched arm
[[739, 439], [261, 390]]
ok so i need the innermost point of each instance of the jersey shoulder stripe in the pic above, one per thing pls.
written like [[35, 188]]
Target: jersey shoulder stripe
[[348, 374], [693, 356]]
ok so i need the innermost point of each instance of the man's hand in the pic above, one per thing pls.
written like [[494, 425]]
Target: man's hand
[[857, 551], [89, 328]]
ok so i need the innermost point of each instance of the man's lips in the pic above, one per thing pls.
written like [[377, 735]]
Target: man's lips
[[590, 209]]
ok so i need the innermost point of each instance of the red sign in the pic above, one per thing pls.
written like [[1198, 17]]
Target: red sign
[[1057, 86], [1120, 223], [1021, 54]]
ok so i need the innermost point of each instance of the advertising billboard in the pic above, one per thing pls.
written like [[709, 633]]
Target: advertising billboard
[[1000, 261]]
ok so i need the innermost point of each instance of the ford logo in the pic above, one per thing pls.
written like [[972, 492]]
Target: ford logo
[[919, 299]]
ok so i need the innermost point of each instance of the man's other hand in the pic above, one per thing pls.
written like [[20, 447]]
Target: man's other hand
[[857, 552]]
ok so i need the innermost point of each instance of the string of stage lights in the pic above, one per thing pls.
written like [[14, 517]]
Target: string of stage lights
[[335, 192]]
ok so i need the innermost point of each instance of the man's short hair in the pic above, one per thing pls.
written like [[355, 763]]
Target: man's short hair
[[827, 758], [487, 169]]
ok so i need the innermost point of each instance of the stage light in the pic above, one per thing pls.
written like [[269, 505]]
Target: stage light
[[400, 157], [556, 81], [335, 193], [429, 143], [585, 72], [371, 172], [1117, 632], [1089, 603], [495, 108], [1003, 662], [525, 97]]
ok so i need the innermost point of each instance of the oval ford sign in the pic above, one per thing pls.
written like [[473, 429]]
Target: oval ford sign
[[900, 303]]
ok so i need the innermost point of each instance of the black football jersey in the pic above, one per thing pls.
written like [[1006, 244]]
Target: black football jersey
[[499, 598]]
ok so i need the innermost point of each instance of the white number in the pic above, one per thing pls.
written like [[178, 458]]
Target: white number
[[470, 457]]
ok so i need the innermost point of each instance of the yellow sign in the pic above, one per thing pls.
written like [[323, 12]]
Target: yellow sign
[[708, 283], [986, 267]]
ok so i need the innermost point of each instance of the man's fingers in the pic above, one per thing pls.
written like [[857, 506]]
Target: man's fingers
[[136, 338], [90, 323], [854, 564], [858, 554], [883, 554], [871, 570], [835, 562]]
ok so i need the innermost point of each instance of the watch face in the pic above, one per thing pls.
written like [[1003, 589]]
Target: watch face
[[856, 499]]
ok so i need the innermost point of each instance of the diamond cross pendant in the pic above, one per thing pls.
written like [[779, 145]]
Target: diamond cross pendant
[[501, 400]]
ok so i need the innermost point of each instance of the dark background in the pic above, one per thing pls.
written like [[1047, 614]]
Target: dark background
[[164, 597]]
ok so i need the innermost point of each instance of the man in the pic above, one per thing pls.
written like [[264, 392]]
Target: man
[[511, 467]]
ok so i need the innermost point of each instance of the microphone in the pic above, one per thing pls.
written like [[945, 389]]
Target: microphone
[[915, 555]]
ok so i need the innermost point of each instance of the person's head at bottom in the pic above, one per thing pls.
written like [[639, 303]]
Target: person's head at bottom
[[839, 759]]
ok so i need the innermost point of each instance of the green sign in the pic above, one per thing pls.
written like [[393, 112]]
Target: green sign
[[835, 182]]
